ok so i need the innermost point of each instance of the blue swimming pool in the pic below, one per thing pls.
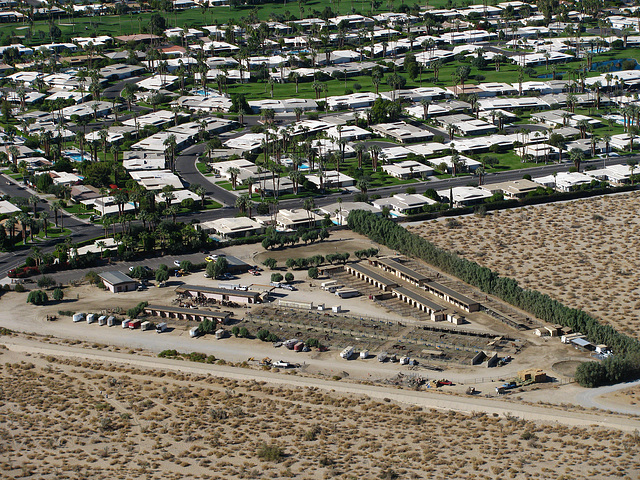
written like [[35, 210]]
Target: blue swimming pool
[[76, 156]]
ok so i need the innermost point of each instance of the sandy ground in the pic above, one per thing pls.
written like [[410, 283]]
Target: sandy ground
[[80, 414], [582, 253]]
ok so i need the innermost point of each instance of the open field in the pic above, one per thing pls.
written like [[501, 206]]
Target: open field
[[582, 253], [109, 420]]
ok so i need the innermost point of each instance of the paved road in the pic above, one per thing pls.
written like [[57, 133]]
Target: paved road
[[590, 398], [186, 166], [80, 230]]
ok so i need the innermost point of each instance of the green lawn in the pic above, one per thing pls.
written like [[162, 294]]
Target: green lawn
[[507, 161], [77, 209], [54, 232], [196, 17]]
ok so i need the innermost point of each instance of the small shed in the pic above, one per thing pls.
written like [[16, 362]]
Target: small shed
[[118, 282], [584, 343]]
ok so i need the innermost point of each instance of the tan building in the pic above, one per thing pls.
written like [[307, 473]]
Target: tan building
[[512, 190]]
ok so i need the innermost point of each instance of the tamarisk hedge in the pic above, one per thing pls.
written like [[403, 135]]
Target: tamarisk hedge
[[624, 365]]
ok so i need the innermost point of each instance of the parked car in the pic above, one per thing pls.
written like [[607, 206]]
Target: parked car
[[144, 267], [211, 258], [177, 263]]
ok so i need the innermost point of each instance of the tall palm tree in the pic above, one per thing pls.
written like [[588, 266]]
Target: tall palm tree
[[43, 216], [576, 156], [34, 200]]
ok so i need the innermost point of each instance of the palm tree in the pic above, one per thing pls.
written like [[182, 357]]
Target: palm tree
[[168, 197], [481, 172], [295, 77], [34, 200], [101, 245], [43, 216], [244, 204], [632, 166], [10, 224], [606, 138], [363, 185], [576, 156], [170, 149], [24, 219], [233, 173], [309, 205], [375, 151]]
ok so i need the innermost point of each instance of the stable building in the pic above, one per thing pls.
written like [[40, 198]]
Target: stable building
[[364, 273], [399, 270], [451, 296], [219, 294], [181, 313], [422, 303], [117, 282]]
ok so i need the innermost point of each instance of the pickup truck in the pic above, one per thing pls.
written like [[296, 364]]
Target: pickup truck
[[281, 364]]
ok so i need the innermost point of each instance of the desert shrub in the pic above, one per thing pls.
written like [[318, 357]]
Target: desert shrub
[[92, 277], [168, 353], [46, 282], [271, 453], [19, 288]]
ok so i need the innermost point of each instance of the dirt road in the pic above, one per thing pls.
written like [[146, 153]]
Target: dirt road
[[424, 399]]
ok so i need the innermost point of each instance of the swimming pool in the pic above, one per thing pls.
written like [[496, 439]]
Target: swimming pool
[[76, 156]]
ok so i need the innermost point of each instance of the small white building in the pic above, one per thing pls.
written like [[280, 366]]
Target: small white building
[[408, 169], [232, 227], [464, 196], [332, 179], [564, 181], [402, 204]]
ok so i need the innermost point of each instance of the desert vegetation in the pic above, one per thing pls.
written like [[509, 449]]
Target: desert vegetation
[[76, 419], [541, 305], [581, 253]]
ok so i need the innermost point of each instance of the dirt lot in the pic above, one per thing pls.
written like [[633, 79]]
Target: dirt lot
[[66, 418], [582, 253]]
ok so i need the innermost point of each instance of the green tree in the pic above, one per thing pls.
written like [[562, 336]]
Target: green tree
[[276, 277], [270, 263], [162, 275], [220, 266], [590, 374], [313, 272], [37, 297], [58, 294], [288, 277]]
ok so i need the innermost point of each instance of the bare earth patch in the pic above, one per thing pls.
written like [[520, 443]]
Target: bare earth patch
[[64, 418], [583, 253]]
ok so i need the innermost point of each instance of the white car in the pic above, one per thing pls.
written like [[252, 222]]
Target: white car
[[176, 263]]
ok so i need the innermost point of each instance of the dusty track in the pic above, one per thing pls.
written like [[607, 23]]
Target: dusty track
[[424, 399]]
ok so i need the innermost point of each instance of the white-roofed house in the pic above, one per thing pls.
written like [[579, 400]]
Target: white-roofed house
[[564, 181], [408, 169], [232, 227], [464, 196], [402, 204], [156, 179], [332, 179]]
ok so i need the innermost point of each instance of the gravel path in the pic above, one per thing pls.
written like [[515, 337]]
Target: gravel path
[[424, 399]]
